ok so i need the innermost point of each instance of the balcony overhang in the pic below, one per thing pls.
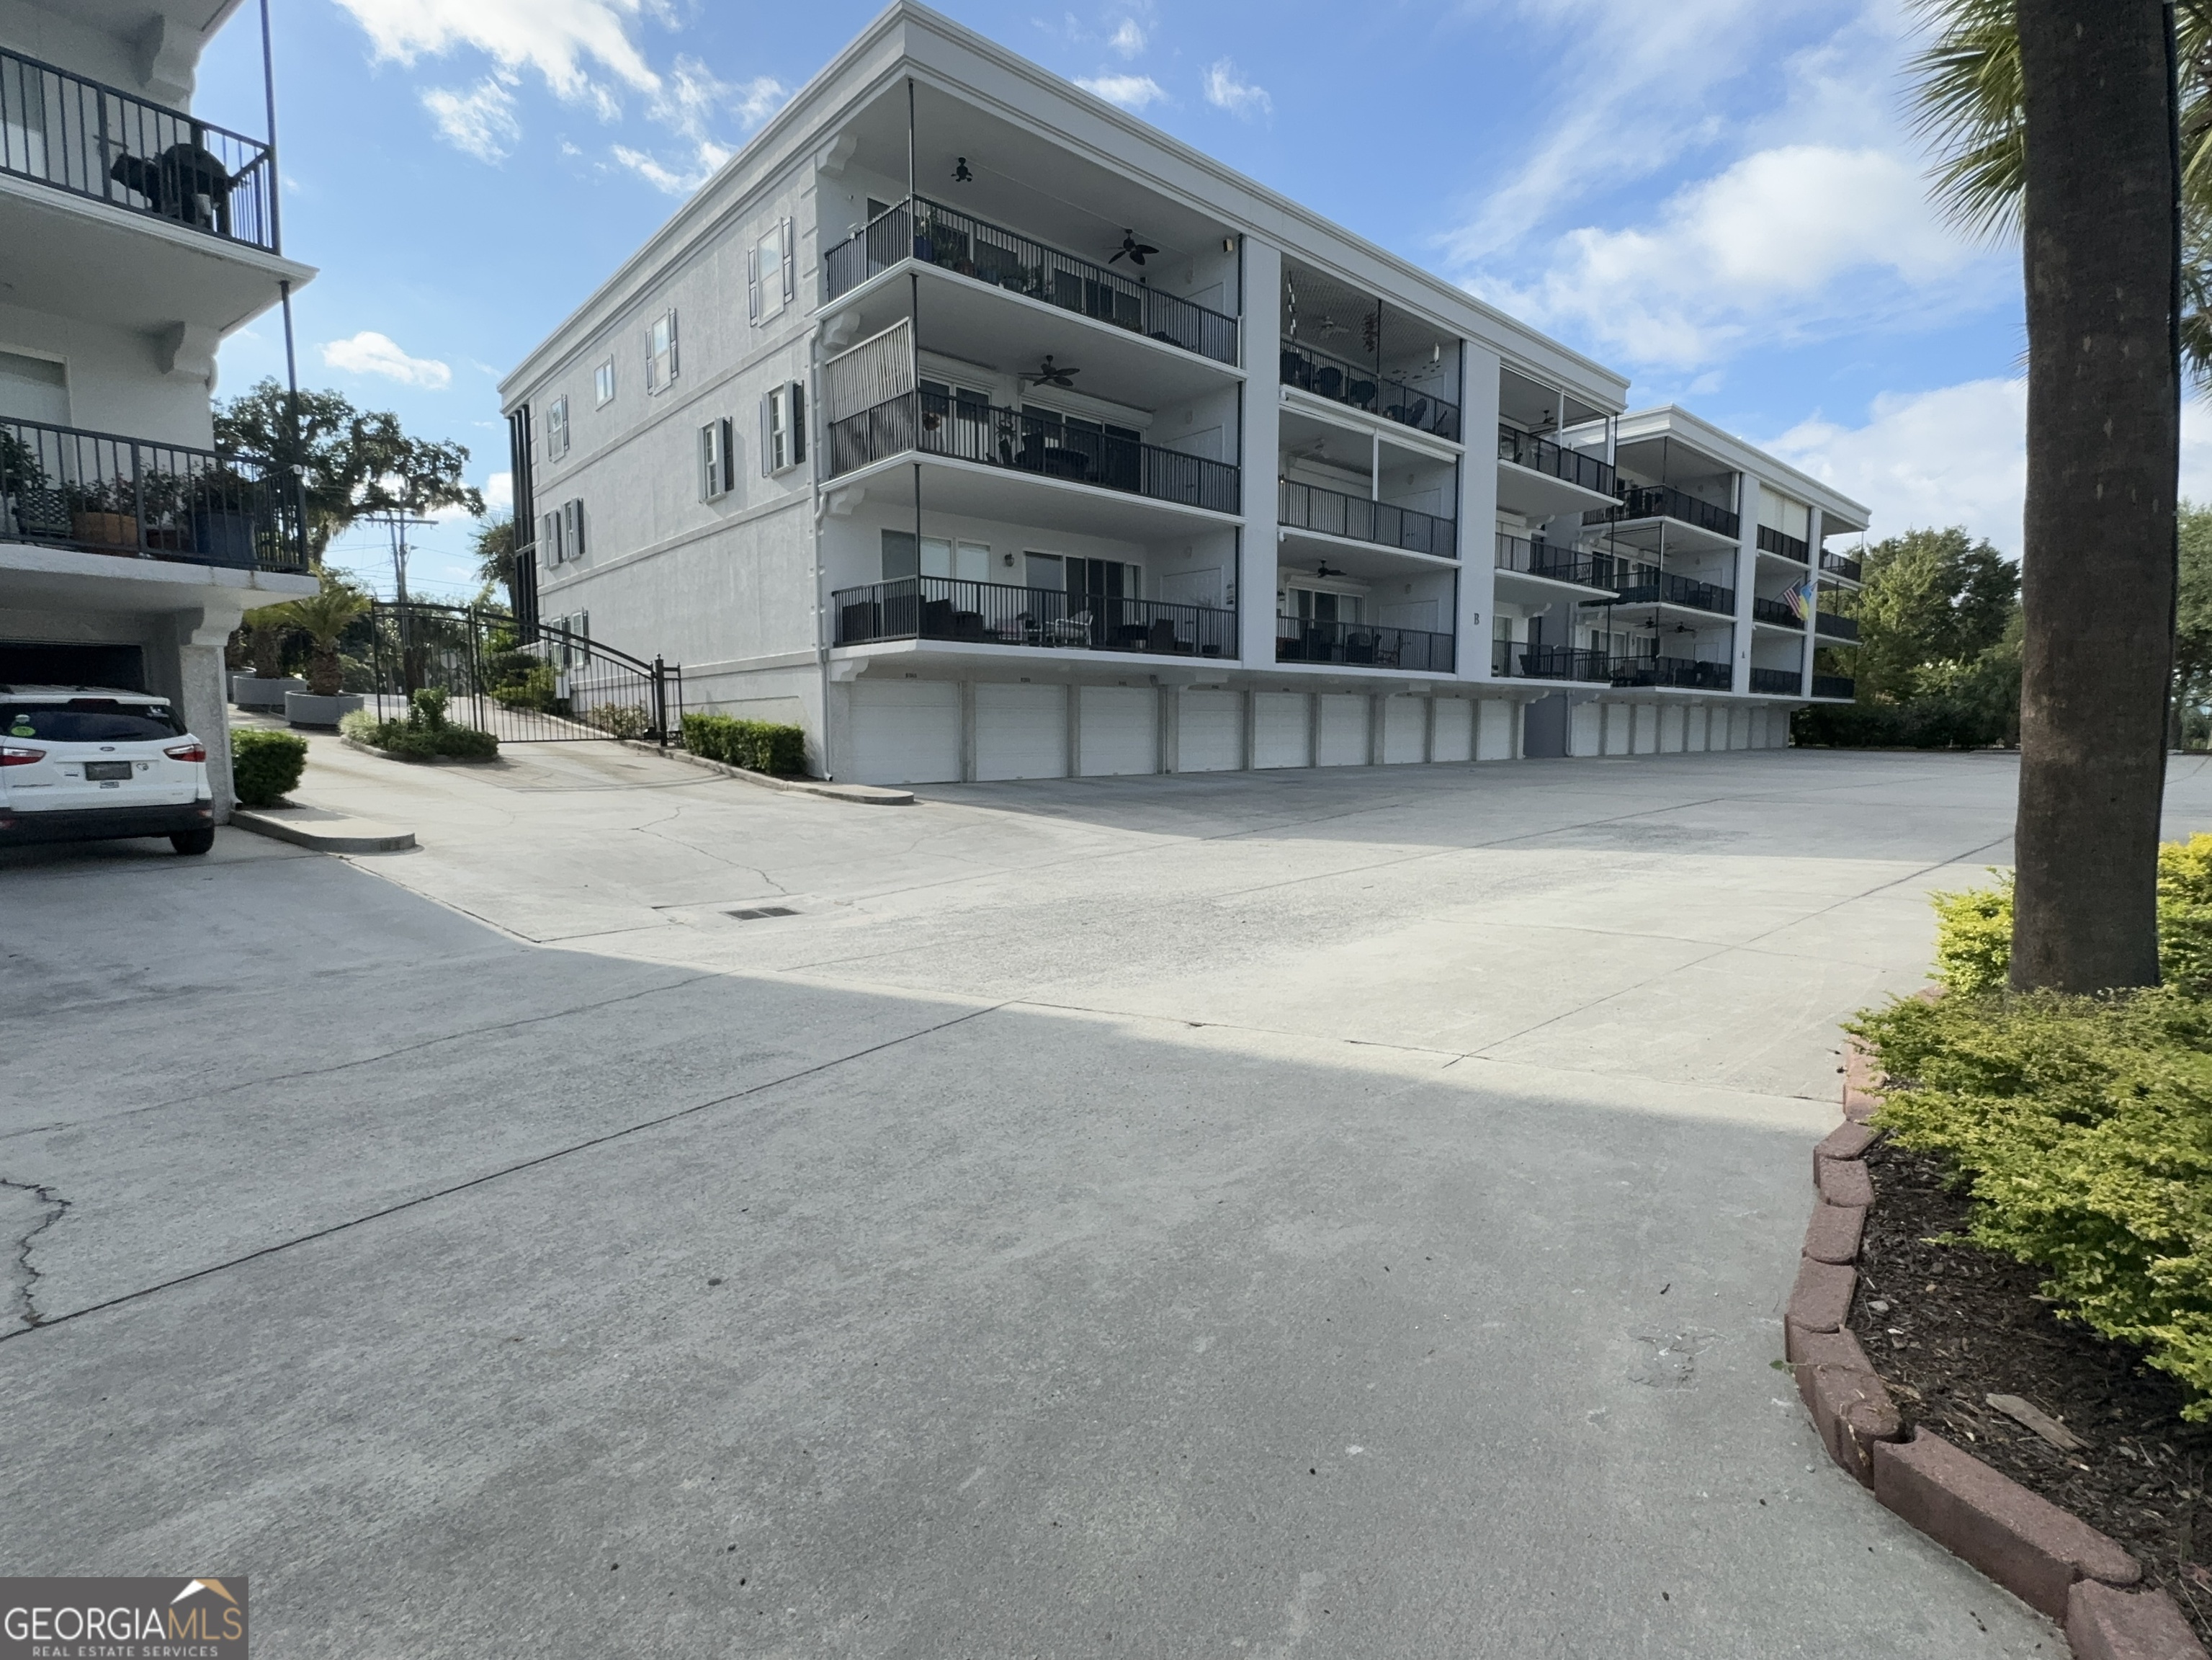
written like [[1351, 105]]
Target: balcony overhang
[[1651, 613], [1539, 494], [1674, 535], [888, 657], [1013, 496], [75, 257], [35, 577], [1531, 586], [1011, 333], [1793, 631], [1348, 417], [1370, 560]]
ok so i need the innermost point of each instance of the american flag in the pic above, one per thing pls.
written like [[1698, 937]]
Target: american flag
[[1799, 598]]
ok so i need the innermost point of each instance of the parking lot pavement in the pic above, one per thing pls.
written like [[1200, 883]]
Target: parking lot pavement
[[1346, 1212]]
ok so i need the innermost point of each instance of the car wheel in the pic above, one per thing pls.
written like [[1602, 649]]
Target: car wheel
[[193, 840]]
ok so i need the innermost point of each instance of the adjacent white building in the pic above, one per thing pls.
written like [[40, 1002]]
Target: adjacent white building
[[133, 237], [987, 432]]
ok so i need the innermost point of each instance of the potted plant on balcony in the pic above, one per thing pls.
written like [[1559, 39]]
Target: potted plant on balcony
[[324, 618], [103, 512], [29, 506], [220, 515]]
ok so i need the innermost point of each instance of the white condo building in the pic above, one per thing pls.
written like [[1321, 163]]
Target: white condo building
[[133, 236], [989, 433]]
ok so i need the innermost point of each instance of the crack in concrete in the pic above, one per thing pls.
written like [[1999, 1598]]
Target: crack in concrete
[[26, 1272]]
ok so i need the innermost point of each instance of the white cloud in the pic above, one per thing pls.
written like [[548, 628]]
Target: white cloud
[[1225, 90], [480, 121], [371, 353], [687, 104], [1130, 39], [1131, 92], [556, 37], [653, 173], [498, 493]]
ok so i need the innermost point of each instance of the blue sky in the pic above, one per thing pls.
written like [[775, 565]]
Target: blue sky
[[1721, 198]]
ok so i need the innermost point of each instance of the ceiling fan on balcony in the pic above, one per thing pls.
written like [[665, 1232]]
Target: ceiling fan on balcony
[[1133, 249], [1048, 375]]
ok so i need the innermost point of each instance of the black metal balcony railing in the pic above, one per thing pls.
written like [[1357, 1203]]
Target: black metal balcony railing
[[1363, 386], [999, 614], [1665, 501], [1309, 507], [95, 490], [1547, 559], [1834, 685], [1001, 259], [1677, 671], [1026, 442], [1771, 540], [1776, 611], [1519, 660], [1834, 564], [1787, 682], [1836, 627], [96, 140], [1364, 644], [1647, 584], [1527, 449]]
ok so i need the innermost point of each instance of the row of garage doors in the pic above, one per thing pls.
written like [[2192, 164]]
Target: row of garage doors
[[925, 731]]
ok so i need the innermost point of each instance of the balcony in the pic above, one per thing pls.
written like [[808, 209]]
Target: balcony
[[96, 141], [1834, 564], [1665, 501], [1786, 682], [1363, 386], [61, 487], [999, 614], [1517, 660], [1646, 585], [1362, 645], [1331, 513], [1773, 541], [1835, 686], [997, 257], [1777, 612], [1552, 562], [1679, 673], [1835, 627], [1525, 449], [1025, 441]]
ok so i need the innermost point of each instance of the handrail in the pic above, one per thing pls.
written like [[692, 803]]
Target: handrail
[[70, 487], [1333, 512], [1836, 626], [1371, 645], [99, 142], [1682, 672], [1552, 561], [1541, 454], [1364, 386], [1001, 614], [1519, 660], [1647, 584], [1787, 682], [1027, 441], [1665, 501], [1835, 564], [919, 228], [1834, 685], [1781, 544], [1763, 610]]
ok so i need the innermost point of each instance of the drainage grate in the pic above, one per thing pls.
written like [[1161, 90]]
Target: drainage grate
[[754, 913]]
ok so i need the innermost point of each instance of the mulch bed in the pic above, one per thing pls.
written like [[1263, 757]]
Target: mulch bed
[[1946, 1325]]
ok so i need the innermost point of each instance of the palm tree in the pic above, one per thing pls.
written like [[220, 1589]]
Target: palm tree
[[324, 618], [2059, 117]]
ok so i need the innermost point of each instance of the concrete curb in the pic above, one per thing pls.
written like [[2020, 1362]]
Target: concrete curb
[[2046, 1556], [865, 795], [326, 835], [420, 760]]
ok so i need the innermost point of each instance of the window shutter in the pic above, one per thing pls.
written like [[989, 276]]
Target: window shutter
[[707, 464], [767, 434], [790, 264], [548, 537], [573, 539], [796, 405], [651, 384], [752, 284], [726, 446], [671, 343]]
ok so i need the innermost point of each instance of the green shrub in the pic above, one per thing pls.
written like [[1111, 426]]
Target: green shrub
[[755, 745], [522, 681], [266, 765], [422, 732], [621, 720], [2084, 1127], [1973, 925]]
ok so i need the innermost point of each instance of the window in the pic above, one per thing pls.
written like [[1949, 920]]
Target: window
[[660, 352], [715, 459], [899, 560], [963, 561], [783, 428], [33, 389], [561, 532], [603, 384], [556, 429], [771, 273], [568, 653]]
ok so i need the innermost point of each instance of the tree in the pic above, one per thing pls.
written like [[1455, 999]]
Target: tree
[[1934, 601], [494, 549], [324, 618]]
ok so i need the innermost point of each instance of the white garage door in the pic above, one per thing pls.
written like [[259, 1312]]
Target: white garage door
[[1454, 733], [906, 732], [1279, 729], [1120, 730], [1021, 731], [1343, 736], [1405, 729], [1210, 735], [1586, 730], [1494, 740]]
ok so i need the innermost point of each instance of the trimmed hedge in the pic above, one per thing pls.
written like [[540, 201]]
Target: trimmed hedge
[[1932, 724], [422, 732], [755, 745], [264, 765]]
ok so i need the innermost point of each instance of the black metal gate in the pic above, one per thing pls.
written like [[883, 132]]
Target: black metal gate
[[522, 684]]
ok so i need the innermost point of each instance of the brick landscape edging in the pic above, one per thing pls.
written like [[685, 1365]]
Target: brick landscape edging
[[2046, 1556]]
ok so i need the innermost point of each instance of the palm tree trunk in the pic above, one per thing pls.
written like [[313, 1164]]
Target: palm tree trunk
[[2098, 563]]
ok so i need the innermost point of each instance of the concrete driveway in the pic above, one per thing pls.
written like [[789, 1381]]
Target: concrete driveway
[[1334, 1212]]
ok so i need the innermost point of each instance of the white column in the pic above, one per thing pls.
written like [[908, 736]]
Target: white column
[[1262, 455], [1747, 576], [1814, 526], [1478, 511]]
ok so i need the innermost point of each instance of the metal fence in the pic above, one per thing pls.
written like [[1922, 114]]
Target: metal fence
[[542, 684], [1665, 501], [1000, 614], [98, 141], [1681, 673], [1646, 585], [1552, 561], [1835, 564], [1519, 660], [1773, 541], [1540, 454], [1369, 644], [1836, 627], [1834, 685], [1364, 386], [991, 255], [108, 494], [1788, 682], [1309, 507]]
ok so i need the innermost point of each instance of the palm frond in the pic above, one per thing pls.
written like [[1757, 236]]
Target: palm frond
[[1967, 87]]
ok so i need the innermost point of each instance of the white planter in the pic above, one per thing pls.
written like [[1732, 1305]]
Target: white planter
[[252, 692], [304, 709]]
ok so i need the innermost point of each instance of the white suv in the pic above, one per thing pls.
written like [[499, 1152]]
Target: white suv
[[85, 764]]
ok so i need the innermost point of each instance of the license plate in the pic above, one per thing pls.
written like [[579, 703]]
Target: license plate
[[101, 771]]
